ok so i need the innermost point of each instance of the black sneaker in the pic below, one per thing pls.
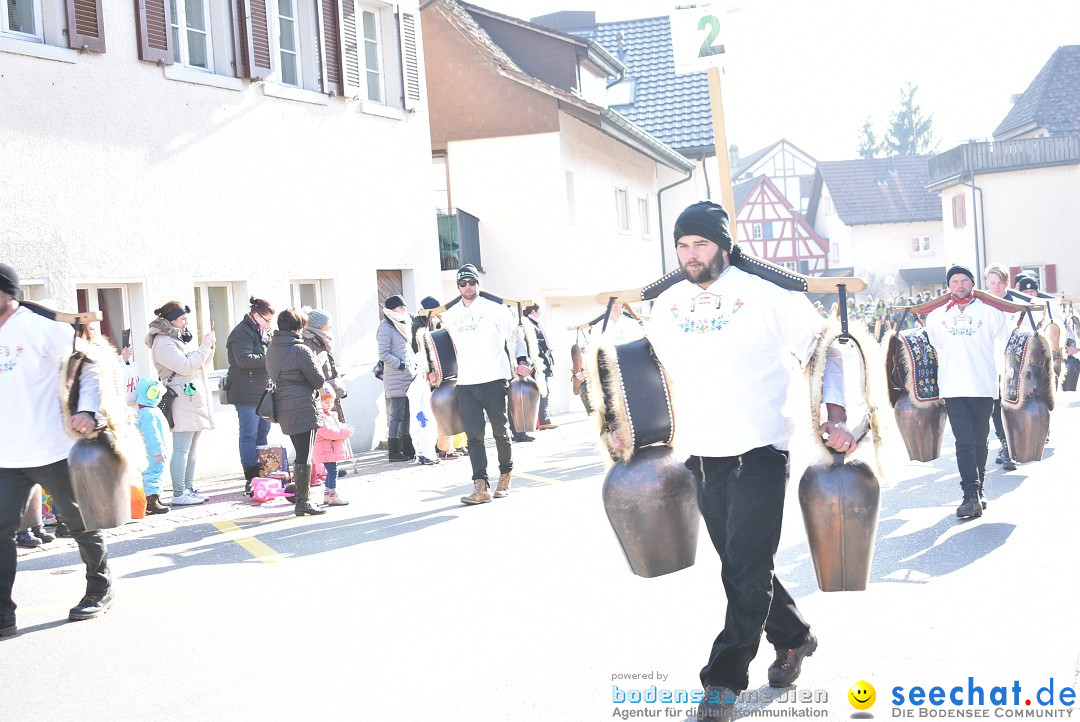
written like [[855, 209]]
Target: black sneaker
[[523, 437], [27, 540], [62, 530], [40, 533], [91, 606]]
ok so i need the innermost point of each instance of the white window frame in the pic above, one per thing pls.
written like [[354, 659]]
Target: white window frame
[[378, 41], [32, 290], [38, 36], [643, 215], [790, 265], [834, 252], [181, 51], [295, 295], [297, 43], [201, 316], [756, 231], [922, 245], [571, 199], [622, 209], [92, 290]]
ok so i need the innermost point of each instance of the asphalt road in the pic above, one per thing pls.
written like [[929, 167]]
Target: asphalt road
[[408, 605]]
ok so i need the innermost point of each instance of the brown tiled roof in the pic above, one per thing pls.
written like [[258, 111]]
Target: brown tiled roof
[[1052, 101], [881, 190]]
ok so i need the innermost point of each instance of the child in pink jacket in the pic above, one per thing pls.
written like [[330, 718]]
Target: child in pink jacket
[[330, 445]]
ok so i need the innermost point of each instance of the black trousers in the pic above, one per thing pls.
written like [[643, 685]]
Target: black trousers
[[969, 417], [742, 501], [999, 427], [473, 401], [14, 486]]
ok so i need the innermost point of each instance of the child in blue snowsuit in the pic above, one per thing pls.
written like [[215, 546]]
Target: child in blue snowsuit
[[156, 437]]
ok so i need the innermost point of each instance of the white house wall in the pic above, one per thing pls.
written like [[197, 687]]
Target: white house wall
[[111, 173], [881, 250]]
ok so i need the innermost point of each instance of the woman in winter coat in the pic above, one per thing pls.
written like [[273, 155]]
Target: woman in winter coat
[[319, 337], [296, 378], [247, 380], [399, 368], [181, 366]]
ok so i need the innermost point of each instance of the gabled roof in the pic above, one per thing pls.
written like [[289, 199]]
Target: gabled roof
[[878, 190], [1052, 101], [674, 108], [749, 161], [607, 120]]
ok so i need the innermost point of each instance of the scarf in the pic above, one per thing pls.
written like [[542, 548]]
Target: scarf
[[327, 340], [400, 321]]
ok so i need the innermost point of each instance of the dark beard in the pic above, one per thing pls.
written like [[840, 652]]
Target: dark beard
[[710, 272]]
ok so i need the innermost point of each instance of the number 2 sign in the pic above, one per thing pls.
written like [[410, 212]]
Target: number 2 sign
[[696, 37]]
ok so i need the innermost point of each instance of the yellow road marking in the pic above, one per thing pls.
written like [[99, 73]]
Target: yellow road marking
[[256, 548], [534, 477]]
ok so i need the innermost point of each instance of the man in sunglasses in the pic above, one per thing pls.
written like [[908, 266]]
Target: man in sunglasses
[[483, 331]]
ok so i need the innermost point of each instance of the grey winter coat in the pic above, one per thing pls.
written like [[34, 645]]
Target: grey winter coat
[[399, 364], [291, 366], [191, 412], [247, 363]]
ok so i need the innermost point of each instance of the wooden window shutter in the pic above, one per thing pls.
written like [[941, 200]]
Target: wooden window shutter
[[251, 39], [410, 61], [86, 29], [330, 43], [1050, 272], [153, 24], [351, 75]]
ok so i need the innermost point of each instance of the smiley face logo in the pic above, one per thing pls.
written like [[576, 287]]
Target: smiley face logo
[[862, 695]]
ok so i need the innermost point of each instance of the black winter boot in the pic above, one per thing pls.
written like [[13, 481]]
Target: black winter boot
[[396, 451], [1006, 460], [250, 472], [407, 449], [302, 476]]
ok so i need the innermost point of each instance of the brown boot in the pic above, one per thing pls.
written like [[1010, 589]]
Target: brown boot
[[503, 489], [480, 493], [154, 505]]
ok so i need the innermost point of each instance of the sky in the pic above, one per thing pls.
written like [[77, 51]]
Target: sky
[[813, 71]]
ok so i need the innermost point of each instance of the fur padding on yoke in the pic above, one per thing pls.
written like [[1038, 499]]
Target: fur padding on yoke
[[119, 431], [536, 361], [815, 372]]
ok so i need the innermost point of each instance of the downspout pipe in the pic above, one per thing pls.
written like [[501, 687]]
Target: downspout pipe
[[660, 216]]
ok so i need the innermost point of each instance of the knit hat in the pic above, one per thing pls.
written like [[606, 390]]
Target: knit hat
[[9, 280], [959, 269], [1027, 283], [393, 302], [468, 271], [327, 392], [429, 302], [706, 219], [317, 318]]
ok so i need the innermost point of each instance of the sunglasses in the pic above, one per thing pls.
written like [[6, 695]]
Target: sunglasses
[[466, 282]]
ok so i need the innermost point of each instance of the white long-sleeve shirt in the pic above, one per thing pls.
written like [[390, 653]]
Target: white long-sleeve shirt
[[481, 333], [966, 342], [729, 351], [31, 425]]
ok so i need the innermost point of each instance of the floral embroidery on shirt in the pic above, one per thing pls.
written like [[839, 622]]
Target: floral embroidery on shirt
[[962, 325], [9, 360], [713, 324]]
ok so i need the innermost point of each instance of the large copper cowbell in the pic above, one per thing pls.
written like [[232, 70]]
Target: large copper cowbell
[[651, 503], [1027, 376], [840, 505], [921, 422], [98, 478], [524, 398], [444, 404], [651, 498]]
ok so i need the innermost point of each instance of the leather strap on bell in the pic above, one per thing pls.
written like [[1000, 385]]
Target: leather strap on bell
[[636, 407]]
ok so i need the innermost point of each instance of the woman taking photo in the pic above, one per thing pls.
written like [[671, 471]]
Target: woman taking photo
[[247, 380], [296, 376], [181, 366]]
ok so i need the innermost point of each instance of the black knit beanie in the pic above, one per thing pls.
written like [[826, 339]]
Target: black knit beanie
[[9, 280], [706, 219]]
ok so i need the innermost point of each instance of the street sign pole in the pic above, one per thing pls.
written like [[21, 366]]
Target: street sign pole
[[720, 147]]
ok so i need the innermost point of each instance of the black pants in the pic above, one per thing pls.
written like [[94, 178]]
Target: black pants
[[969, 417], [14, 486], [742, 501], [302, 443], [999, 428], [473, 401]]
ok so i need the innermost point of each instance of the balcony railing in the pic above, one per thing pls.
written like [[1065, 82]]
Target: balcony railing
[[459, 239], [1004, 156]]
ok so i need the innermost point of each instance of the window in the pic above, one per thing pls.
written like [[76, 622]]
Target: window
[[921, 244], [622, 209], [571, 199], [959, 211], [834, 252], [31, 291], [756, 230], [289, 42], [643, 215], [192, 44], [213, 310], [372, 55], [22, 18], [306, 294], [37, 27], [790, 265], [112, 301]]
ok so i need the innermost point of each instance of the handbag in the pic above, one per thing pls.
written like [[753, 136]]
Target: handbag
[[223, 390], [265, 408], [167, 399]]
